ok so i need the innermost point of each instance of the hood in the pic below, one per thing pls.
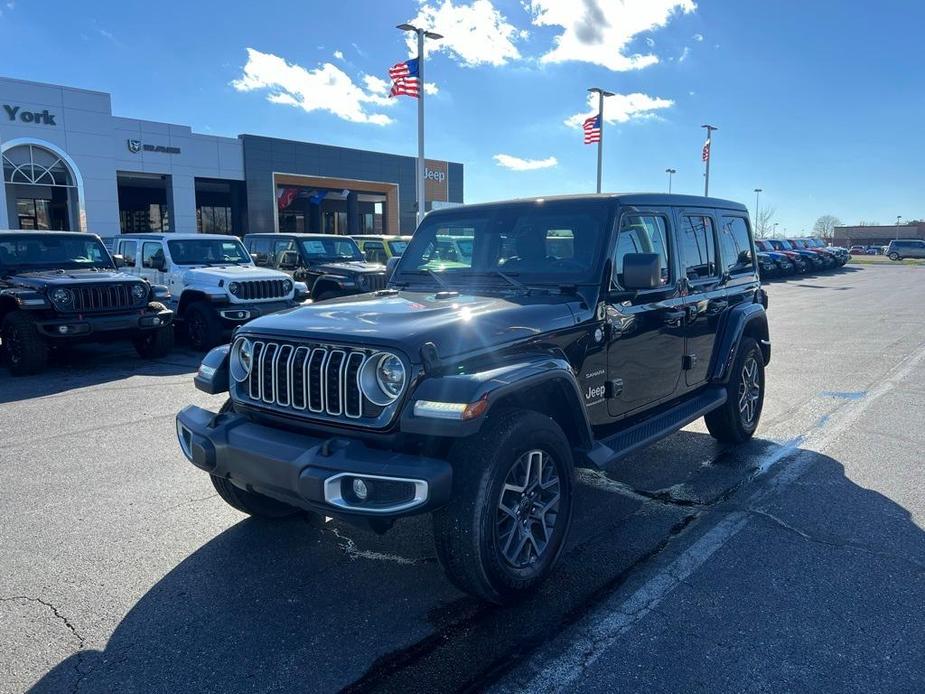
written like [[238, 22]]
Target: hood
[[59, 278], [205, 274], [350, 267], [406, 320]]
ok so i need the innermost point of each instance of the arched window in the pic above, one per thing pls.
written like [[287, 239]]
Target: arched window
[[37, 166]]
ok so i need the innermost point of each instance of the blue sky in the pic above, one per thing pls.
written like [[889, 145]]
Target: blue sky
[[819, 103]]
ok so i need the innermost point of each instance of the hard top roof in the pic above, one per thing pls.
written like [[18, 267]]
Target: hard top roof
[[632, 199]]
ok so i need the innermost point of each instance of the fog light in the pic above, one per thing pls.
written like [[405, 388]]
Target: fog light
[[62, 329], [360, 489]]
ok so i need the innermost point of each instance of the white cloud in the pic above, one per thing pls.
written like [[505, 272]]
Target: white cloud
[[475, 33], [622, 108], [430, 88], [376, 85], [518, 164], [650, 42], [325, 88], [684, 54], [600, 31], [339, 55], [698, 38]]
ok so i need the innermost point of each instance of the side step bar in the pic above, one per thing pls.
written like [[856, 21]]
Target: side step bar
[[658, 426]]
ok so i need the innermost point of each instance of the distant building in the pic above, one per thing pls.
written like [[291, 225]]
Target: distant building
[[876, 235]]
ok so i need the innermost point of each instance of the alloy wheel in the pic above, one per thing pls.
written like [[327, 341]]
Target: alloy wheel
[[749, 390], [528, 509]]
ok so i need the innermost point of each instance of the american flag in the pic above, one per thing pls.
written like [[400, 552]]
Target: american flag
[[706, 150], [405, 80], [592, 127]]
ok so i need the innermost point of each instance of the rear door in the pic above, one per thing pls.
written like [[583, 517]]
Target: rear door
[[152, 255], [645, 330], [705, 293]]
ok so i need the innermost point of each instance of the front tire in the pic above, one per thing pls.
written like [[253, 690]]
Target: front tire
[[203, 327], [503, 530], [25, 350], [894, 256], [154, 344], [737, 420]]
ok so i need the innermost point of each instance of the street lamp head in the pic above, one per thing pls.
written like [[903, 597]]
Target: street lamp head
[[709, 127], [407, 27], [671, 171], [433, 35], [598, 90], [759, 190]]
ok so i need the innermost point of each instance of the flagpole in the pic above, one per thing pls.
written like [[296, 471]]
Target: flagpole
[[600, 143], [706, 183], [421, 170]]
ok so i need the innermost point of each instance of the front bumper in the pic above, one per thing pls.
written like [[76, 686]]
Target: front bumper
[[83, 325], [233, 315], [311, 472]]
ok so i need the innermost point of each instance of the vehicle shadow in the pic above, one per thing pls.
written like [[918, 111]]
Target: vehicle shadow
[[313, 607], [81, 366], [843, 270]]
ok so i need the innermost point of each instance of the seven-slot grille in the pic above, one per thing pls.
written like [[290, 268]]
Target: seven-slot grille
[[315, 379], [253, 290], [112, 297], [375, 281]]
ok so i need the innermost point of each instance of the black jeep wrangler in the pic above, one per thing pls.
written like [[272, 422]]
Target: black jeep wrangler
[[60, 288], [330, 265], [579, 329]]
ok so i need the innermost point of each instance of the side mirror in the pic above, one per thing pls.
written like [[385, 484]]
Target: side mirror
[[119, 260], [289, 260], [641, 271], [390, 267], [259, 259]]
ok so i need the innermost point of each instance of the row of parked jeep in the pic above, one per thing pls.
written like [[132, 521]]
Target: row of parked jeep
[[59, 288], [781, 257]]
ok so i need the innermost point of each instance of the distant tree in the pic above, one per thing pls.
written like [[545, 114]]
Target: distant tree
[[764, 223], [825, 226], [863, 223]]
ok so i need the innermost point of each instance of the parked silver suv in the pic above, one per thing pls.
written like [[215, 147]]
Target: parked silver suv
[[906, 248]]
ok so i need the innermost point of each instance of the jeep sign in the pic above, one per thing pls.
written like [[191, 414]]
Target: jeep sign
[[40, 117], [436, 186]]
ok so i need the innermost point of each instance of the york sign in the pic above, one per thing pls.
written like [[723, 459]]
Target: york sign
[[42, 117]]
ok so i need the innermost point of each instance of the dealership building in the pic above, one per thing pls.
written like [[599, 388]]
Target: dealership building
[[70, 164]]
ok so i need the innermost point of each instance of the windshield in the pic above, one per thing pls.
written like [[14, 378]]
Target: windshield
[[53, 251], [553, 243], [208, 252], [331, 248], [398, 247], [780, 244]]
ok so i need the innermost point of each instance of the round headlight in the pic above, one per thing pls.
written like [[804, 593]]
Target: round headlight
[[139, 292], [287, 286], [382, 378], [62, 296], [234, 288], [242, 359]]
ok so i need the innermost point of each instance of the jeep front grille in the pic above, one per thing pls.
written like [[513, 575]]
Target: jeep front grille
[[112, 297], [316, 380], [256, 290], [375, 281]]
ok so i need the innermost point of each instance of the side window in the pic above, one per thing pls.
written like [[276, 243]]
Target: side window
[[261, 248], [128, 250], [152, 255], [642, 234], [375, 252], [698, 247], [736, 246]]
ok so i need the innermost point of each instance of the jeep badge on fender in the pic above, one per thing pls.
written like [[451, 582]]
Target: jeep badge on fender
[[514, 342]]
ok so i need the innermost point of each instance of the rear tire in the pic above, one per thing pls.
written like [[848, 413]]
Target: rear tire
[[737, 420], [503, 530], [203, 327], [25, 350], [894, 256]]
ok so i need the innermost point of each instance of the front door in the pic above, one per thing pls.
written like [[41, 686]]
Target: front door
[[705, 292], [645, 330]]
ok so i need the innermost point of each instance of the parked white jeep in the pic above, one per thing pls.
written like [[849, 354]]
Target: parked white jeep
[[213, 281]]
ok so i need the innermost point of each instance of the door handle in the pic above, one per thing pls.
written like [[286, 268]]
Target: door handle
[[718, 306]]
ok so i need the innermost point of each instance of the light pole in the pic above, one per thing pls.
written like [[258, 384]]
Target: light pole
[[774, 231], [601, 93], [898, 217], [421, 33], [757, 193], [707, 155], [670, 173]]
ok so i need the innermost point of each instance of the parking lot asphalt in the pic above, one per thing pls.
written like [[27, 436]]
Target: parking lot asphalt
[[796, 561]]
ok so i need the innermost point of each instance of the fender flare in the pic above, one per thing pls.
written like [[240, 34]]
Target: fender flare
[[740, 320], [500, 385]]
